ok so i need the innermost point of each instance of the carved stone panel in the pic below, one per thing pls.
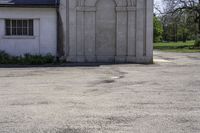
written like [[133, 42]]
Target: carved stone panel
[[110, 31]]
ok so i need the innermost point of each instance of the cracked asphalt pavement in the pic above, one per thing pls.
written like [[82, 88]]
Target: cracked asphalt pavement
[[160, 98]]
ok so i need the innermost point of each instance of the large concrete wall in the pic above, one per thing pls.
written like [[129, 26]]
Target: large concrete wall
[[108, 30], [44, 40]]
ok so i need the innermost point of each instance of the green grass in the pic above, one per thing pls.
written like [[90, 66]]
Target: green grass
[[181, 47]]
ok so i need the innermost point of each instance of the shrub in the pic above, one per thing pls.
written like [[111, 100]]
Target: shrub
[[4, 57], [157, 29], [26, 59], [197, 43], [38, 59]]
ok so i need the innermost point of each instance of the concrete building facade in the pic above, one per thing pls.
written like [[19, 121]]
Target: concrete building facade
[[108, 30], [117, 31]]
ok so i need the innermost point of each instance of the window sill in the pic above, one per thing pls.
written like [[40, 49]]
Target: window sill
[[19, 37]]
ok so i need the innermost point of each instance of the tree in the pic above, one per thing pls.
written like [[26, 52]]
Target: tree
[[179, 19], [189, 8], [158, 29]]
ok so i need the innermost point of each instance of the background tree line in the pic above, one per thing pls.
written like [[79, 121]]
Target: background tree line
[[177, 20]]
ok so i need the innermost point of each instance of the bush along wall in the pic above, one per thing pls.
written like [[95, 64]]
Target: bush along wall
[[27, 59]]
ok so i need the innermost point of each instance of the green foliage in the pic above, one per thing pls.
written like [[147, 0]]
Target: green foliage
[[178, 27], [197, 43], [26, 59], [177, 31], [4, 57], [158, 30], [37, 59]]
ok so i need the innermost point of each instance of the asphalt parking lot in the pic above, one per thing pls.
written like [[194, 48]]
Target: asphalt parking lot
[[160, 98]]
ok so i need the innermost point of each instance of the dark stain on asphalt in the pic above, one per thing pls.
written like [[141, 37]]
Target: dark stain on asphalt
[[193, 57], [182, 120], [43, 103], [107, 81], [71, 130], [22, 104], [121, 119], [30, 103], [101, 82]]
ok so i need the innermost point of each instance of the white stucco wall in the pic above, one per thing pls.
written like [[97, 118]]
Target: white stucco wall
[[45, 31]]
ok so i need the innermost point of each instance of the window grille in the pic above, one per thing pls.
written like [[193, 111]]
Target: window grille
[[15, 27]]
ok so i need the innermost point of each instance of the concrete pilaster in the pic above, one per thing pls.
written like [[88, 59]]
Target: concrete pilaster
[[121, 39], [90, 34], [72, 32], [131, 34], [149, 30], [80, 34], [140, 30]]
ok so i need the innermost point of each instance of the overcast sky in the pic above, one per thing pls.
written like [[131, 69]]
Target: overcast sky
[[158, 3]]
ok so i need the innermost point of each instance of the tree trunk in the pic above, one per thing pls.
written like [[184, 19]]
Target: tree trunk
[[184, 39]]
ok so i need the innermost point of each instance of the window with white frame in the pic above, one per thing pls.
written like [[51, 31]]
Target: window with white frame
[[19, 27]]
